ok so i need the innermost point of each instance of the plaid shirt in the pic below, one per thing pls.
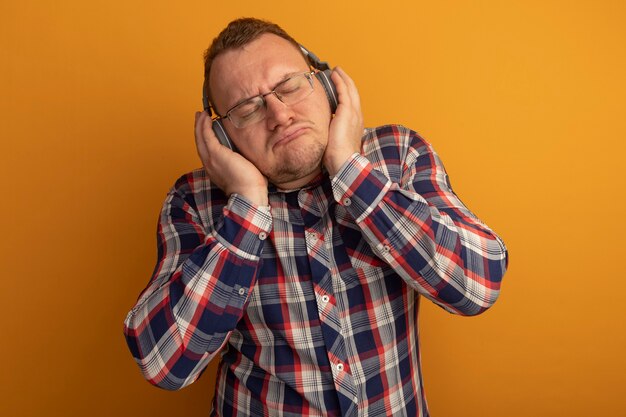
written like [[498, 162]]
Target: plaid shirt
[[313, 301]]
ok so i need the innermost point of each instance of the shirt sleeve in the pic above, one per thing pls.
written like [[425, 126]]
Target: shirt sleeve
[[198, 290], [418, 226]]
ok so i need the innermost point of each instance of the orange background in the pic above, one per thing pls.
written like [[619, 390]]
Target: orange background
[[524, 101]]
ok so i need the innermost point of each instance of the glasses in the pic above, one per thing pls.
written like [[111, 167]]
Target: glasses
[[290, 91]]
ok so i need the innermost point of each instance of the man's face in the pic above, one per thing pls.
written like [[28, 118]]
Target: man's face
[[288, 145]]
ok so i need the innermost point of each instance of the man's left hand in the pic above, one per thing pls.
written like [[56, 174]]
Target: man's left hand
[[346, 127]]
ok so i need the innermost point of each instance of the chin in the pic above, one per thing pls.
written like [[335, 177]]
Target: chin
[[298, 164]]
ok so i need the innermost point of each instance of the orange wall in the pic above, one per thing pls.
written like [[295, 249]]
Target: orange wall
[[524, 100]]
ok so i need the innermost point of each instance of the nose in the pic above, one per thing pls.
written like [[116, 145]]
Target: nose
[[278, 113]]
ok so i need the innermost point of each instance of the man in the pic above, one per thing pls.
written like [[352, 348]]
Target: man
[[302, 257]]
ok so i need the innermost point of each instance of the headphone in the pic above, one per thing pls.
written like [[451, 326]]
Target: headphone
[[323, 75]]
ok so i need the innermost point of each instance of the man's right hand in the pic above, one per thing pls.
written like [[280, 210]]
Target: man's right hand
[[229, 170]]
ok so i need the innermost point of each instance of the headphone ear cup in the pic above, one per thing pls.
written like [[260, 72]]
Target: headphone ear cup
[[329, 88], [222, 136]]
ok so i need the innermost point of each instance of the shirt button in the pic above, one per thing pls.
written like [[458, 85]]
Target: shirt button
[[386, 248], [262, 235], [242, 291], [340, 367], [312, 237], [347, 201], [325, 298]]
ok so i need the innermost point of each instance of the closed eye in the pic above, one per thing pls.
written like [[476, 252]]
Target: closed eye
[[289, 86]]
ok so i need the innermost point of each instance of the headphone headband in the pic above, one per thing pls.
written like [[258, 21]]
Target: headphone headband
[[314, 60]]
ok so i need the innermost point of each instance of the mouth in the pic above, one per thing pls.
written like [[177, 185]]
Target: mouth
[[290, 135]]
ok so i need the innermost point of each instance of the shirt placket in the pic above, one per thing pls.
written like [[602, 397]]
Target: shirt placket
[[316, 220]]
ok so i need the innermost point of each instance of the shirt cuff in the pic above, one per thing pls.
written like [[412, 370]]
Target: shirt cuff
[[245, 227], [359, 187]]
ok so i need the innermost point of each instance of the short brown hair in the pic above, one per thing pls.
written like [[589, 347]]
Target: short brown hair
[[238, 33]]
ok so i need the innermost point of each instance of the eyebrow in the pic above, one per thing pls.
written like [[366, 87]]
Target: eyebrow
[[285, 78]]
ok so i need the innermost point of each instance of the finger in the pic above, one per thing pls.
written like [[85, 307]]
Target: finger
[[341, 87], [350, 92], [206, 129], [345, 77], [351, 88], [200, 129]]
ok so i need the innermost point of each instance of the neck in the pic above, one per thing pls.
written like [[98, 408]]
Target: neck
[[298, 183]]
